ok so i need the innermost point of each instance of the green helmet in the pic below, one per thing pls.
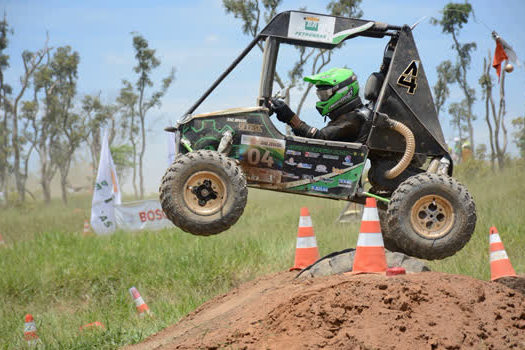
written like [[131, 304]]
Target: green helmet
[[335, 87]]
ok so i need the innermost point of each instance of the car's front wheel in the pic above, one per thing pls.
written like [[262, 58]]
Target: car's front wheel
[[203, 192]]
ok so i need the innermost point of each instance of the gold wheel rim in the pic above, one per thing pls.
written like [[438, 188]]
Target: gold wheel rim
[[204, 193], [432, 216]]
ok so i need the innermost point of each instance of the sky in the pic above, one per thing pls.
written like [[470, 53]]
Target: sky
[[200, 40]]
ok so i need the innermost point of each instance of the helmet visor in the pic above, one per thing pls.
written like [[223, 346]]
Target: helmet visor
[[324, 93]]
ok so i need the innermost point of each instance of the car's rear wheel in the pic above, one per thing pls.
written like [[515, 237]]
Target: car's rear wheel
[[203, 192], [430, 217]]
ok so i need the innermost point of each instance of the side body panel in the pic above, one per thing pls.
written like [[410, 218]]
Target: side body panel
[[406, 97], [271, 161]]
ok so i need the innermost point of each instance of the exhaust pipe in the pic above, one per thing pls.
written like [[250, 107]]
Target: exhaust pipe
[[409, 140]]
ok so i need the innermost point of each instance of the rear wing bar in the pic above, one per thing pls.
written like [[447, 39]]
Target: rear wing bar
[[303, 29]]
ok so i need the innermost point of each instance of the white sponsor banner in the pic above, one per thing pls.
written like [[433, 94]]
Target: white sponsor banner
[[106, 193], [311, 27], [141, 215]]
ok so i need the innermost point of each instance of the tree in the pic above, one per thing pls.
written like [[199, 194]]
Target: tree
[[5, 91], [70, 126], [97, 116], [127, 102], [459, 113], [43, 122], [455, 15], [496, 124], [250, 12], [445, 72], [519, 134], [121, 157], [31, 61], [146, 63]]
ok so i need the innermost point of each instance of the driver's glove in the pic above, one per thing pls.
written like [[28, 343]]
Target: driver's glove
[[281, 109]]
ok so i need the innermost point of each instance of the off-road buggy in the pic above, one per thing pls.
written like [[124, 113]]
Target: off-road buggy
[[424, 212]]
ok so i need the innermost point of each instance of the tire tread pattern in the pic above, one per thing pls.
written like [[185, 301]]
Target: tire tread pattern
[[173, 206], [410, 242]]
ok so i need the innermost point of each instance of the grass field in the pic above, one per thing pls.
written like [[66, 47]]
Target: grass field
[[66, 280]]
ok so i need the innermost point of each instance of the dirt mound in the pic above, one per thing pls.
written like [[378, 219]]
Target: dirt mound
[[420, 311], [516, 283]]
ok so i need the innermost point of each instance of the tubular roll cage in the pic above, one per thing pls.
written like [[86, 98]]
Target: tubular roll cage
[[277, 31]]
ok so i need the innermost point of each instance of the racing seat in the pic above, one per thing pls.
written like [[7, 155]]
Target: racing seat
[[372, 89], [373, 86]]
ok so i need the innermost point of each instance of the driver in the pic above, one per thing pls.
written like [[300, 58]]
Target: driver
[[338, 93]]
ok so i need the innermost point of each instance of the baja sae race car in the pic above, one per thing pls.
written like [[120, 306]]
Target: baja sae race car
[[424, 212]]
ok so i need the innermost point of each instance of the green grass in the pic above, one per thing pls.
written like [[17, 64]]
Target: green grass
[[66, 280]]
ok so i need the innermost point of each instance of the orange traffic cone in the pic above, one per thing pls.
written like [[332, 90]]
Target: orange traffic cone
[[30, 330], [306, 252], [500, 265], [92, 326], [142, 307], [370, 250], [87, 230]]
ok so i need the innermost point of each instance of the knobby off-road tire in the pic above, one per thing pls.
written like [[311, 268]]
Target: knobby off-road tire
[[430, 217], [342, 261], [388, 239], [203, 192]]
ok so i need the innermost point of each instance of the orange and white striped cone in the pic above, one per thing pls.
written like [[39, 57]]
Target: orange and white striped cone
[[306, 252], [142, 307], [370, 251], [30, 335], [87, 230], [500, 265]]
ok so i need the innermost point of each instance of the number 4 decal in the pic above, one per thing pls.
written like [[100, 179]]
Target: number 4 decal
[[408, 78]]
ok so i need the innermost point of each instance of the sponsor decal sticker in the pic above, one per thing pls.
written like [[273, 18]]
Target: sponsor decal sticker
[[291, 161], [304, 166], [326, 180], [319, 188], [311, 154], [307, 177], [250, 127], [236, 120], [321, 168], [310, 148], [330, 156], [292, 152], [262, 152], [311, 27], [338, 171], [348, 160], [346, 183]]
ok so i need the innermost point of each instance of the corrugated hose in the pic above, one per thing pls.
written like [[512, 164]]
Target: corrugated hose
[[409, 149]]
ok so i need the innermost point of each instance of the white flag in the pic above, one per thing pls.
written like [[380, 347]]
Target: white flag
[[106, 193]]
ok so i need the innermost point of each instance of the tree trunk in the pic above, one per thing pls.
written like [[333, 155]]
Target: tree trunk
[[46, 190], [501, 119], [16, 152], [488, 93], [135, 189], [63, 187], [141, 156]]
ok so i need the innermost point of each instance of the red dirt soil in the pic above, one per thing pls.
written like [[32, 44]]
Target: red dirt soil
[[428, 310]]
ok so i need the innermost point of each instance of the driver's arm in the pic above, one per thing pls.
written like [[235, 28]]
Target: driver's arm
[[300, 128], [286, 115]]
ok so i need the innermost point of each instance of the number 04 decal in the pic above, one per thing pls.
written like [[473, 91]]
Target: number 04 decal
[[408, 78], [254, 157]]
